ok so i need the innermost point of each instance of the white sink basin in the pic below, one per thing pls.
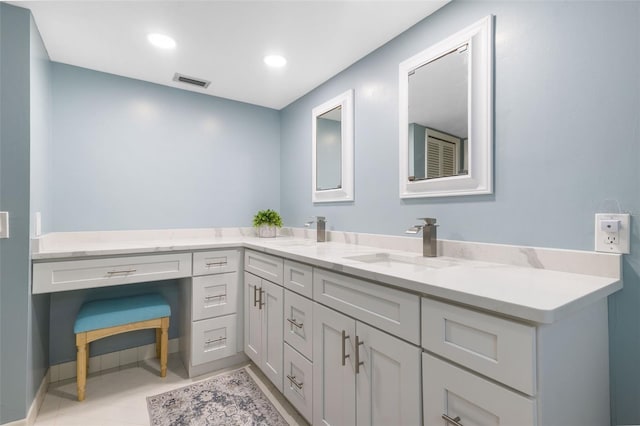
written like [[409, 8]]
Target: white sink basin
[[395, 260]]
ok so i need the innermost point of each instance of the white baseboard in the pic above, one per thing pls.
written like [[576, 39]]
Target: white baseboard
[[111, 360]]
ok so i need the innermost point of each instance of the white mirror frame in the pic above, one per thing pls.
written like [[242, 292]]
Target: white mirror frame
[[479, 180], [345, 193]]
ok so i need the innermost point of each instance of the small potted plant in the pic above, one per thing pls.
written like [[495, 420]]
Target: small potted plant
[[266, 222]]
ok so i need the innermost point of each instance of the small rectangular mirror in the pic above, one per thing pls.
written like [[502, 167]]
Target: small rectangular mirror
[[446, 116], [332, 150]]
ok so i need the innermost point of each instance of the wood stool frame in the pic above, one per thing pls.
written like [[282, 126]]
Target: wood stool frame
[[85, 337]]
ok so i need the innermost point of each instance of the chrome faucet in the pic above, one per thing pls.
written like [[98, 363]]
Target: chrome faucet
[[321, 228], [429, 236]]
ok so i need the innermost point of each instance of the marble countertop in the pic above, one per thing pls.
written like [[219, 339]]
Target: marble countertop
[[529, 293]]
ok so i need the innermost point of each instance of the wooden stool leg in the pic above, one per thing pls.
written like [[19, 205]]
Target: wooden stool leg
[[81, 361], [164, 346], [158, 343], [87, 363]]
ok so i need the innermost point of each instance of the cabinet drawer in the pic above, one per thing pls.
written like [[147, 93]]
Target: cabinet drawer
[[49, 277], [298, 277], [214, 296], [264, 265], [213, 339], [298, 382], [451, 391], [215, 262], [391, 310], [495, 347], [298, 323]]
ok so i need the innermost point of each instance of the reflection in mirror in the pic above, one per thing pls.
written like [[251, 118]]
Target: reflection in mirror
[[446, 116], [332, 149], [329, 150], [438, 119]]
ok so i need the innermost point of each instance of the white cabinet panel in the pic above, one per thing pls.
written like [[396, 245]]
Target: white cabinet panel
[[391, 310], [49, 277], [298, 382], [388, 381], [214, 295], [498, 348], [298, 277], [252, 318], [272, 324], [213, 339], [264, 265], [457, 393], [298, 320], [334, 387], [215, 261]]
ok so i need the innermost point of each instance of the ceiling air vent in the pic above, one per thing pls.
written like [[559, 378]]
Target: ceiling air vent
[[191, 80]]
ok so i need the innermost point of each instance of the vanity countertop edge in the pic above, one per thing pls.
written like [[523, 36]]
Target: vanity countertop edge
[[530, 294]]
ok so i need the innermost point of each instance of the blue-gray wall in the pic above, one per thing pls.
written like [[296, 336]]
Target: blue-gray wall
[[135, 155], [23, 321], [567, 110], [40, 200]]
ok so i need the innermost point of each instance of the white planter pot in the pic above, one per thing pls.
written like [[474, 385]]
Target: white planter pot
[[267, 231]]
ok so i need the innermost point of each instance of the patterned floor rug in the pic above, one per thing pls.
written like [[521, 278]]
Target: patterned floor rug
[[232, 398]]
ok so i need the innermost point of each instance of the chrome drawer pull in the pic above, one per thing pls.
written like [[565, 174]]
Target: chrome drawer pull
[[208, 342], [295, 323], [219, 296], [293, 381], [210, 264], [344, 344], [358, 362], [261, 303], [126, 271], [448, 420]]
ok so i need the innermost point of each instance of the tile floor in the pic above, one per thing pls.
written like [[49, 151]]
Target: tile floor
[[117, 397]]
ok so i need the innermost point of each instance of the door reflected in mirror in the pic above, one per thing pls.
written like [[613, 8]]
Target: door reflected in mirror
[[438, 96], [329, 150]]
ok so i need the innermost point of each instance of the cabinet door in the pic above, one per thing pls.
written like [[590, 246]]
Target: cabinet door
[[334, 384], [272, 299], [388, 380], [449, 391], [252, 318]]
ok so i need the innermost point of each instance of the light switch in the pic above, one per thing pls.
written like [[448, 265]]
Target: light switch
[[4, 224]]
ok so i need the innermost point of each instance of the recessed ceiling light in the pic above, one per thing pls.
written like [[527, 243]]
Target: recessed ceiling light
[[162, 41], [275, 61]]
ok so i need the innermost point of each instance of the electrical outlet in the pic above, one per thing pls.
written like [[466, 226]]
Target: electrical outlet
[[613, 233]]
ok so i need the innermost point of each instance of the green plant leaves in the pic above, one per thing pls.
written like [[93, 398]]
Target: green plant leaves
[[267, 217]]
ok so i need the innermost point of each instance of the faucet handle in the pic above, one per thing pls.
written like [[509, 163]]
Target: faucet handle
[[428, 220]]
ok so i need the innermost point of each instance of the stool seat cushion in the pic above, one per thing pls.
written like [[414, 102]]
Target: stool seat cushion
[[123, 310]]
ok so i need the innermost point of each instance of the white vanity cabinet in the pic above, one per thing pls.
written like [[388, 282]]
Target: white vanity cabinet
[[491, 370], [264, 314], [298, 337], [362, 375], [211, 326]]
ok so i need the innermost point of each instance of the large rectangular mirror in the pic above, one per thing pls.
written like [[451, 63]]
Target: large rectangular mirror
[[332, 150], [446, 116]]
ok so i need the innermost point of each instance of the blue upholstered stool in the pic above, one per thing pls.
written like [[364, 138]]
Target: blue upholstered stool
[[103, 318]]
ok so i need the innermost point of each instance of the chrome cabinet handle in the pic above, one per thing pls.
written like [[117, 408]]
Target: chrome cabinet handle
[[126, 271], [208, 342], [294, 322], [344, 348], [210, 264], [358, 362], [261, 303], [293, 381], [219, 296], [255, 297], [448, 420]]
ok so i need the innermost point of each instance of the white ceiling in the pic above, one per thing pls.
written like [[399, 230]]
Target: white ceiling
[[225, 41]]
